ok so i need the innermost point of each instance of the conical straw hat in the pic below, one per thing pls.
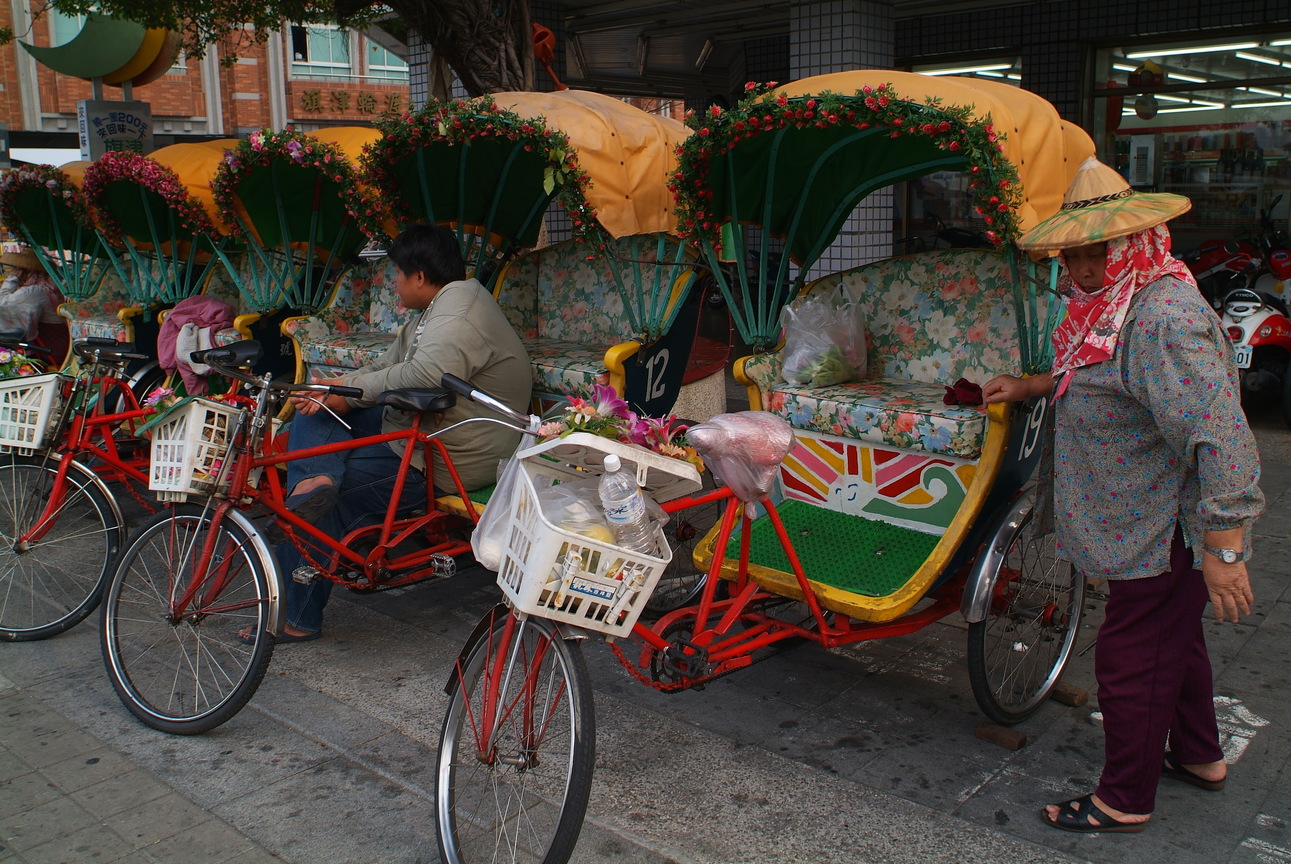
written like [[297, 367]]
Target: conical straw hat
[[1099, 206]]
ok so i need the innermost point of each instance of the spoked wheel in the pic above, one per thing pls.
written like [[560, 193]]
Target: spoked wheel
[[51, 582], [172, 625], [518, 747], [681, 581], [1017, 654]]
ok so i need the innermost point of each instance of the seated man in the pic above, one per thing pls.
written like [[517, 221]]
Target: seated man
[[462, 331], [29, 300]]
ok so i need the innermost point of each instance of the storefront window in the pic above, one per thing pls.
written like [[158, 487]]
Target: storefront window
[[320, 50], [1208, 120]]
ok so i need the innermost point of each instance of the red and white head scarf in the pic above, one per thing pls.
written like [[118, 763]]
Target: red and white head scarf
[[1093, 324]]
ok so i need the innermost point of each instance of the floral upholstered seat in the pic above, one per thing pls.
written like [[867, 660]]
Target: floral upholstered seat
[[563, 303], [98, 315], [358, 325], [931, 319]]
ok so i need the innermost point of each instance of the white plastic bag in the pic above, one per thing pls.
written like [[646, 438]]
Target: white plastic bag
[[488, 541], [575, 505], [824, 339]]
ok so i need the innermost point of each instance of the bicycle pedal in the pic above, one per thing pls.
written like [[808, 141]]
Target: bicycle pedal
[[305, 574]]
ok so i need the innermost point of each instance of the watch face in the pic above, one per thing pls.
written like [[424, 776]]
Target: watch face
[[1229, 556]]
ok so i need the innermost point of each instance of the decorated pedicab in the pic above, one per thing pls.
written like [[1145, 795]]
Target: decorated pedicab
[[297, 206], [46, 208], [608, 305], [857, 506]]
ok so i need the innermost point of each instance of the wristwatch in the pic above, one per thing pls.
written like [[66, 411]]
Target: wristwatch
[[1228, 556]]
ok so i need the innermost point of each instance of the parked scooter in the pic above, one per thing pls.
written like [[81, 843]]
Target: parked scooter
[[1260, 330], [1221, 267]]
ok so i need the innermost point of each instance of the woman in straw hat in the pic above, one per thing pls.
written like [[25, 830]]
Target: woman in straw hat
[[29, 300], [1155, 473]]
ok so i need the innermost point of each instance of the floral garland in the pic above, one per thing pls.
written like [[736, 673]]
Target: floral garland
[[115, 166], [16, 365], [459, 122], [995, 186], [261, 149], [608, 416], [34, 176]]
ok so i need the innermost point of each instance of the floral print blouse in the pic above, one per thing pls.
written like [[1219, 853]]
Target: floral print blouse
[[1152, 437]]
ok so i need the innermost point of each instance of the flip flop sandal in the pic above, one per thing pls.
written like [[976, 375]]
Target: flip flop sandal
[[250, 638], [1072, 819], [310, 506], [1175, 771]]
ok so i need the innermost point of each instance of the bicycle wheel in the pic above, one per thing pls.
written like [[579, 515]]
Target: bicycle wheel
[[681, 581], [519, 793], [1018, 653], [183, 668], [52, 583]]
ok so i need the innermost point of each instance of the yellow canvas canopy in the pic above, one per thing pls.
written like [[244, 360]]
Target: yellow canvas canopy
[[1045, 149], [350, 139], [195, 165], [629, 154]]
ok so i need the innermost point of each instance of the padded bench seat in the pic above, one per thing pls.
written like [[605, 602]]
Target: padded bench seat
[[561, 367], [345, 350], [895, 412]]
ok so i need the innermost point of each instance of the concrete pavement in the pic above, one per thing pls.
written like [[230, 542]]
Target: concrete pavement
[[866, 754]]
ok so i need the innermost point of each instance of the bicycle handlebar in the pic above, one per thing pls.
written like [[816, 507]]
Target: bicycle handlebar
[[470, 391], [225, 360]]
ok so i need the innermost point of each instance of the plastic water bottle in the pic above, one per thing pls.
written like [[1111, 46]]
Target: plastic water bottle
[[625, 508]]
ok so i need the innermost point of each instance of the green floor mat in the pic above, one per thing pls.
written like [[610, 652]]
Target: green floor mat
[[847, 552], [482, 496]]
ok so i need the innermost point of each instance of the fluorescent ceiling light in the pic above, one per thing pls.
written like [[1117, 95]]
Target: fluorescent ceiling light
[[702, 59], [990, 74], [1282, 104], [961, 70], [1191, 79], [1124, 67], [1281, 42], [1259, 58], [1263, 92], [1195, 49], [1014, 77]]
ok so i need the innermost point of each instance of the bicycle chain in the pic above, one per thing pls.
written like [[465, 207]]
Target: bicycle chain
[[641, 676]]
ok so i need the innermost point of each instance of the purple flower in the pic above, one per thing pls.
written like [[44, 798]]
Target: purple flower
[[608, 403]]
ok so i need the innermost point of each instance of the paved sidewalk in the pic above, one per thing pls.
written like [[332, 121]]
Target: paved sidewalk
[[865, 754], [66, 796]]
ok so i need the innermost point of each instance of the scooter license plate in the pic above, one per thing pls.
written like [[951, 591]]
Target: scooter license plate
[[1243, 356]]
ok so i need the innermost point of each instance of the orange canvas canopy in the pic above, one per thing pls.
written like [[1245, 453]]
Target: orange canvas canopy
[[1045, 149], [628, 154], [195, 165], [350, 139]]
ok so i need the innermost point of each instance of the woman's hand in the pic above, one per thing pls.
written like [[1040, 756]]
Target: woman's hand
[[1229, 587], [1007, 388]]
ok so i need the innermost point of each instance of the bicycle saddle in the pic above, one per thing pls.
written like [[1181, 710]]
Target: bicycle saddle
[[107, 349], [421, 400], [244, 353]]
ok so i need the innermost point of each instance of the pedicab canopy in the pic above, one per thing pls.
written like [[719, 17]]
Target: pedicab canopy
[[46, 207], [491, 166], [296, 201], [160, 211], [795, 161]]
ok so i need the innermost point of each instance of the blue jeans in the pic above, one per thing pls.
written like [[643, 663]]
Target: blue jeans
[[365, 478]]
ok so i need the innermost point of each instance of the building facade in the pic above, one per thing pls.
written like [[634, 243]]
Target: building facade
[[307, 76]]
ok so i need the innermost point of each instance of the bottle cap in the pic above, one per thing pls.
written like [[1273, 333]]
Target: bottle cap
[[613, 464]]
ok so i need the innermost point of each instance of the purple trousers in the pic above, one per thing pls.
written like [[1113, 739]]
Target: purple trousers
[[1154, 681]]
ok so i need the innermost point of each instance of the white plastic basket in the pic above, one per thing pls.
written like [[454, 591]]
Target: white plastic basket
[[27, 406], [188, 449], [567, 577]]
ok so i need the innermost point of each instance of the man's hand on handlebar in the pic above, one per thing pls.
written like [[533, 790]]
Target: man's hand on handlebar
[[311, 403]]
